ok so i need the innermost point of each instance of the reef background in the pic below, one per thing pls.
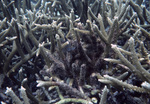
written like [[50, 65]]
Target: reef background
[[75, 51]]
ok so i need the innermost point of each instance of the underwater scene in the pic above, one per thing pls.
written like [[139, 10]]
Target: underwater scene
[[75, 51]]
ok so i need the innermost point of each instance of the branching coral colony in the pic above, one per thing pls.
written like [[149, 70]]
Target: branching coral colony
[[74, 51]]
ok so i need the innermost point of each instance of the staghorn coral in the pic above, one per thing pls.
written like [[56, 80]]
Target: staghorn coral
[[59, 51]]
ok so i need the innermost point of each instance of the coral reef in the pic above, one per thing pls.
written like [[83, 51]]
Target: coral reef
[[75, 51]]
